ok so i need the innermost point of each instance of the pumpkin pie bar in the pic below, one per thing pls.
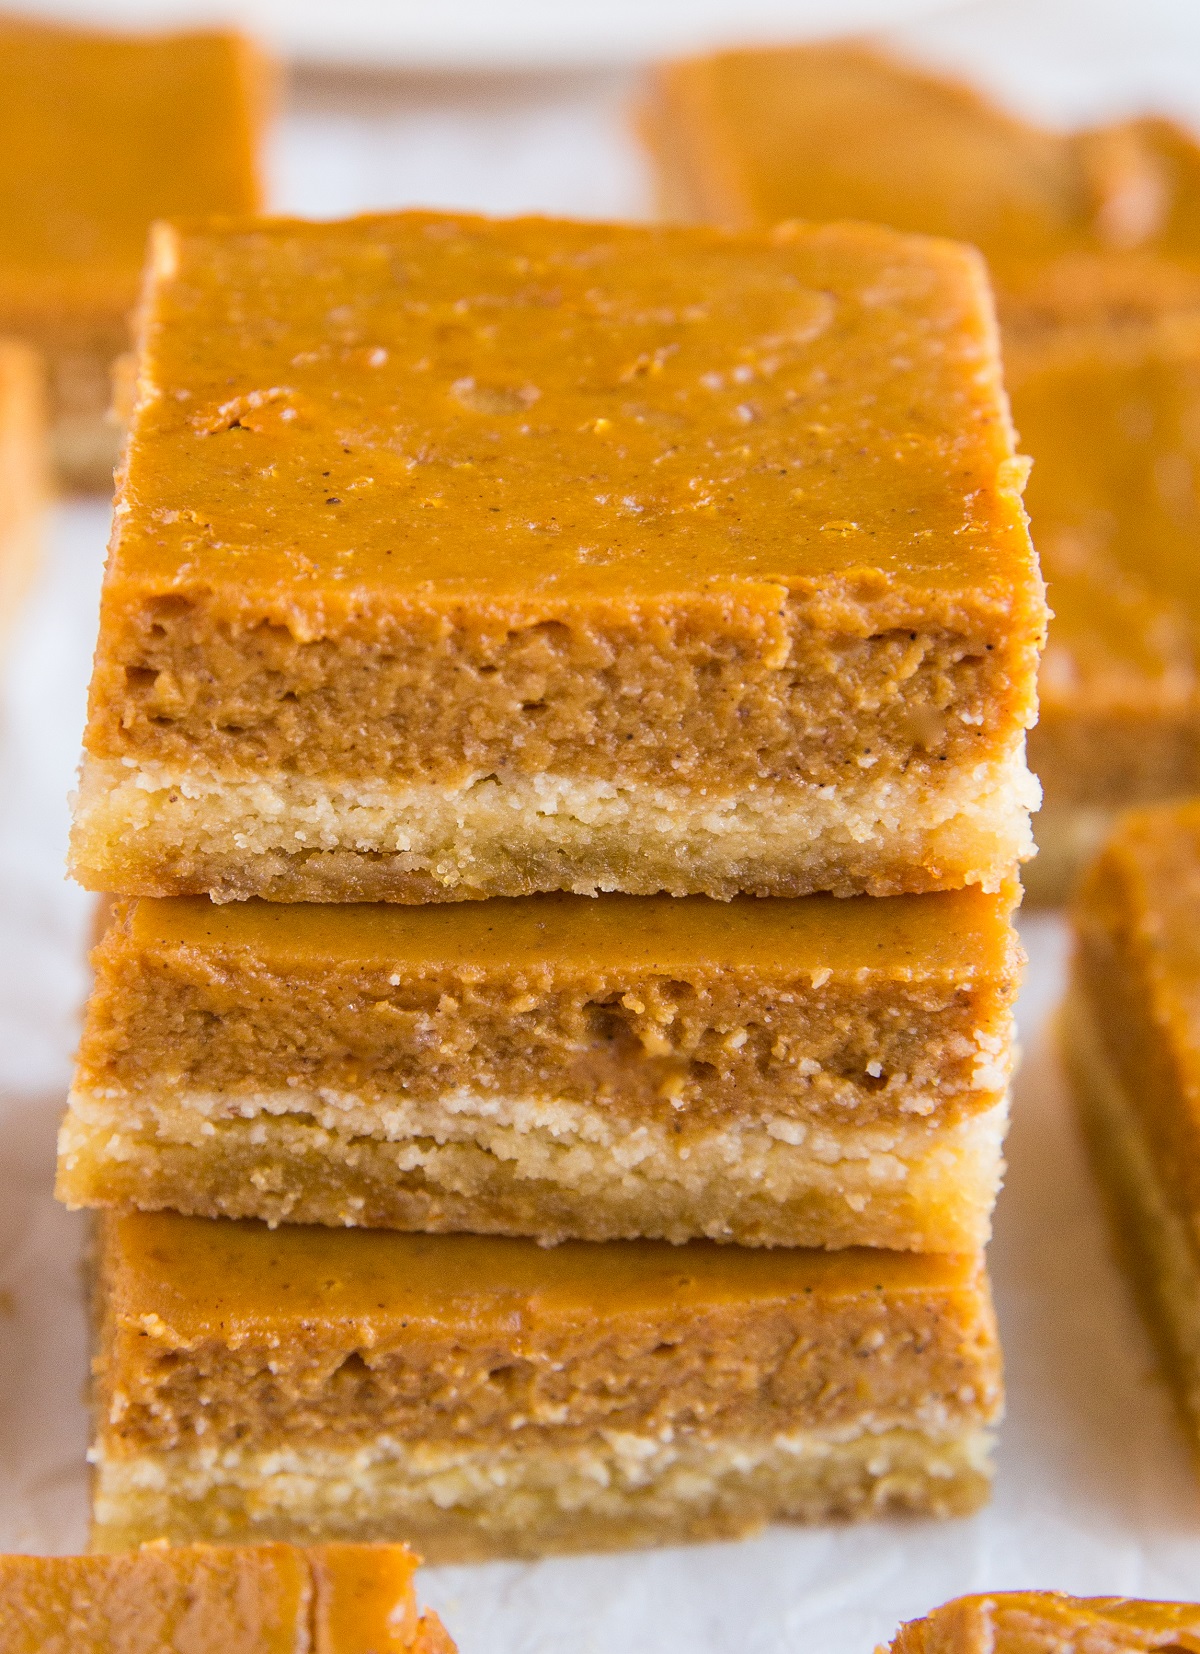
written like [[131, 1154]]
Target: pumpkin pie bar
[[218, 1599], [811, 1072], [1098, 224], [1113, 416], [460, 558], [491, 1397], [99, 135], [1131, 1035], [1029, 1622], [23, 482]]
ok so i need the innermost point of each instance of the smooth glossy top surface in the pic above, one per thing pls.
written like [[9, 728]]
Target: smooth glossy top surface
[[962, 931], [843, 132], [216, 1279], [101, 134], [435, 406]]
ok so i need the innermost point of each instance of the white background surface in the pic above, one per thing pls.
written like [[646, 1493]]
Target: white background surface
[[1094, 1492]]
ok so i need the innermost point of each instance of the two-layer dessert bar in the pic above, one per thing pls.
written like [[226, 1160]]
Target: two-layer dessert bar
[[99, 135], [455, 558], [1131, 1035], [810, 1072], [492, 1397]]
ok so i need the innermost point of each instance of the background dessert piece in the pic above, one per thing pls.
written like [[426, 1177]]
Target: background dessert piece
[[1102, 222], [262, 1599], [1028, 1622], [1131, 1036], [492, 1397], [23, 479], [458, 557], [815, 1072], [750, 137], [1113, 416], [99, 135]]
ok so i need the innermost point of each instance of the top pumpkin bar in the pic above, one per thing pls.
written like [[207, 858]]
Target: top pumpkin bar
[[458, 558]]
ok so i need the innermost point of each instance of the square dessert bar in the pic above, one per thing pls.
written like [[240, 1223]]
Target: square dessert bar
[[1131, 1035], [1113, 416], [99, 135], [1101, 222], [1030, 1622], [23, 478], [811, 1072], [460, 558], [218, 1599], [492, 1397]]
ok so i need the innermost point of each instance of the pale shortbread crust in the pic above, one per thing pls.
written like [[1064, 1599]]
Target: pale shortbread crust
[[1154, 1236], [548, 1167], [464, 1502], [147, 831]]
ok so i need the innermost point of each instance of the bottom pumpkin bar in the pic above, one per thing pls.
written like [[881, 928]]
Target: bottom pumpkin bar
[[1036, 1622], [487, 1397], [1130, 1031], [218, 1599]]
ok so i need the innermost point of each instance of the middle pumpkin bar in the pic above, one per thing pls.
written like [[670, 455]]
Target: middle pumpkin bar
[[803, 1072]]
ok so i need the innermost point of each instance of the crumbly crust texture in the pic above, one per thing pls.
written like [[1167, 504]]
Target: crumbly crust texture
[[532, 1166], [581, 579], [166, 833], [460, 1504]]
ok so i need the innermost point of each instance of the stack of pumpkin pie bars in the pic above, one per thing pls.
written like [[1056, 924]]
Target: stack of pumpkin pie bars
[[556, 760]]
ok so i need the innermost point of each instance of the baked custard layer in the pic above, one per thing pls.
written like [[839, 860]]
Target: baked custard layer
[[250, 1599], [609, 573], [226, 1344], [1028, 1622], [807, 1072]]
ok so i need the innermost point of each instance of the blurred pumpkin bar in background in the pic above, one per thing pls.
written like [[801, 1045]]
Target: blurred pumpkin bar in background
[[100, 134], [22, 473], [1093, 242]]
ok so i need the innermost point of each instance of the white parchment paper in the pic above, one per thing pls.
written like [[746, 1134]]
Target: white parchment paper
[[1094, 1492]]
